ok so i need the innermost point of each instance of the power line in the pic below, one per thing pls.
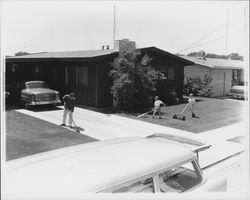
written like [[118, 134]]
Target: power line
[[200, 40], [219, 38], [220, 46], [114, 29]]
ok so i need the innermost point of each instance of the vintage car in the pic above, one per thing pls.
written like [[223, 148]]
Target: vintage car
[[38, 93], [238, 92], [155, 164]]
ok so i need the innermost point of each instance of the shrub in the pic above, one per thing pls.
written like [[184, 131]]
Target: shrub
[[133, 81], [197, 86]]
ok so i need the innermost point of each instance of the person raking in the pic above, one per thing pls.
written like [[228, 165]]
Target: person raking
[[69, 105], [157, 107]]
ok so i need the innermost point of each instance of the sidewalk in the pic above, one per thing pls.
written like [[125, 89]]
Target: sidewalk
[[225, 133]]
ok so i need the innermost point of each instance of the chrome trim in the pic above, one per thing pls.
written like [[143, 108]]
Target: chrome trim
[[43, 102]]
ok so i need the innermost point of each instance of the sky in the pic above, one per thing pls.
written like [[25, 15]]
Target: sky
[[219, 27]]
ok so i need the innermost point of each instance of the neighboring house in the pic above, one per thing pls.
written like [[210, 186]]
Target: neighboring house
[[224, 73], [87, 72]]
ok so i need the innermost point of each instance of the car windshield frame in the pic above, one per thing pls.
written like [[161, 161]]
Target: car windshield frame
[[194, 165], [155, 175], [129, 183], [32, 85]]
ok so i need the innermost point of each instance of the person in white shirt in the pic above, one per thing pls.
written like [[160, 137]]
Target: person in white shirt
[[157, 107], [191, 102]]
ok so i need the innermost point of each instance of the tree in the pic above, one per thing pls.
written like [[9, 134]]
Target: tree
[[232, 56], [21, 53], [192, 54], [212, 55], [235, 56], [133, 81]]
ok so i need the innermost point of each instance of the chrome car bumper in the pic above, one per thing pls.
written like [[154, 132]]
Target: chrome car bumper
[[33, 103], [237, 96]]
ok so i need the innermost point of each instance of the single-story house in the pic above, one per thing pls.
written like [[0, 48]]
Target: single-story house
[[87, 72], [224, 72]]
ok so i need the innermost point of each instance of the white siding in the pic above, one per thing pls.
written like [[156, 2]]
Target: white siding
[[222, 81], [197, 71], [222, 78]]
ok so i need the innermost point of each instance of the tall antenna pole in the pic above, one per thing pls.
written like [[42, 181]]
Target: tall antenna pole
[[114, 30], [226, 34], [245, 23]]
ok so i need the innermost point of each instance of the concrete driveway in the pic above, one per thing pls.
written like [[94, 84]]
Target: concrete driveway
[[103, 126], [107, 126]]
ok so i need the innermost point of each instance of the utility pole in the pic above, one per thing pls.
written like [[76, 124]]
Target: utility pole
[[114, 30], [226, 34]]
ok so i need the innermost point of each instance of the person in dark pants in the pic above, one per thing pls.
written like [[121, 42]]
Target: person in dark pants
[[69, 105]]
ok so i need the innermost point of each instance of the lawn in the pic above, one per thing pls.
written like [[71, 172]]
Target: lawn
[[213, 113], [26, 135]]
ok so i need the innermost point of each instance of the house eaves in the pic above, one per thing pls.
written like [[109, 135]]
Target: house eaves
[[86, 55], [216, 63], [63, 56], [160, 51]]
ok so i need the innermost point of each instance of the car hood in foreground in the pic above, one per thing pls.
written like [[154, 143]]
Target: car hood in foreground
[[90, 167]]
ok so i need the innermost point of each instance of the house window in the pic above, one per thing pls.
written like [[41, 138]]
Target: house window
[[236, 76], [77, 76], [171, 75], [166, 74], [161, 76], [37, 70], [14, 66], [66, 76], [83, 76]]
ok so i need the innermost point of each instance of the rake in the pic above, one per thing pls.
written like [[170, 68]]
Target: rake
[[76, 127], [143, 114]]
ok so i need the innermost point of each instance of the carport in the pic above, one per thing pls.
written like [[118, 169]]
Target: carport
[[83, 72]]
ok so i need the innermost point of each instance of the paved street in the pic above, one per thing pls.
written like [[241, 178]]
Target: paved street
[[107, 126]]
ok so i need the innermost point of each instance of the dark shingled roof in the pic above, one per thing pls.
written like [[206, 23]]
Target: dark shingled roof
[[68, 54], [86, 54]]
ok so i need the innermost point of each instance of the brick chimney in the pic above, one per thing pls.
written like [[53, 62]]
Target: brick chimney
[[123, 45]]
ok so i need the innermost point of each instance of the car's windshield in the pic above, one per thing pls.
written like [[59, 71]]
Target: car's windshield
[[179, 179], [36, 85]]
